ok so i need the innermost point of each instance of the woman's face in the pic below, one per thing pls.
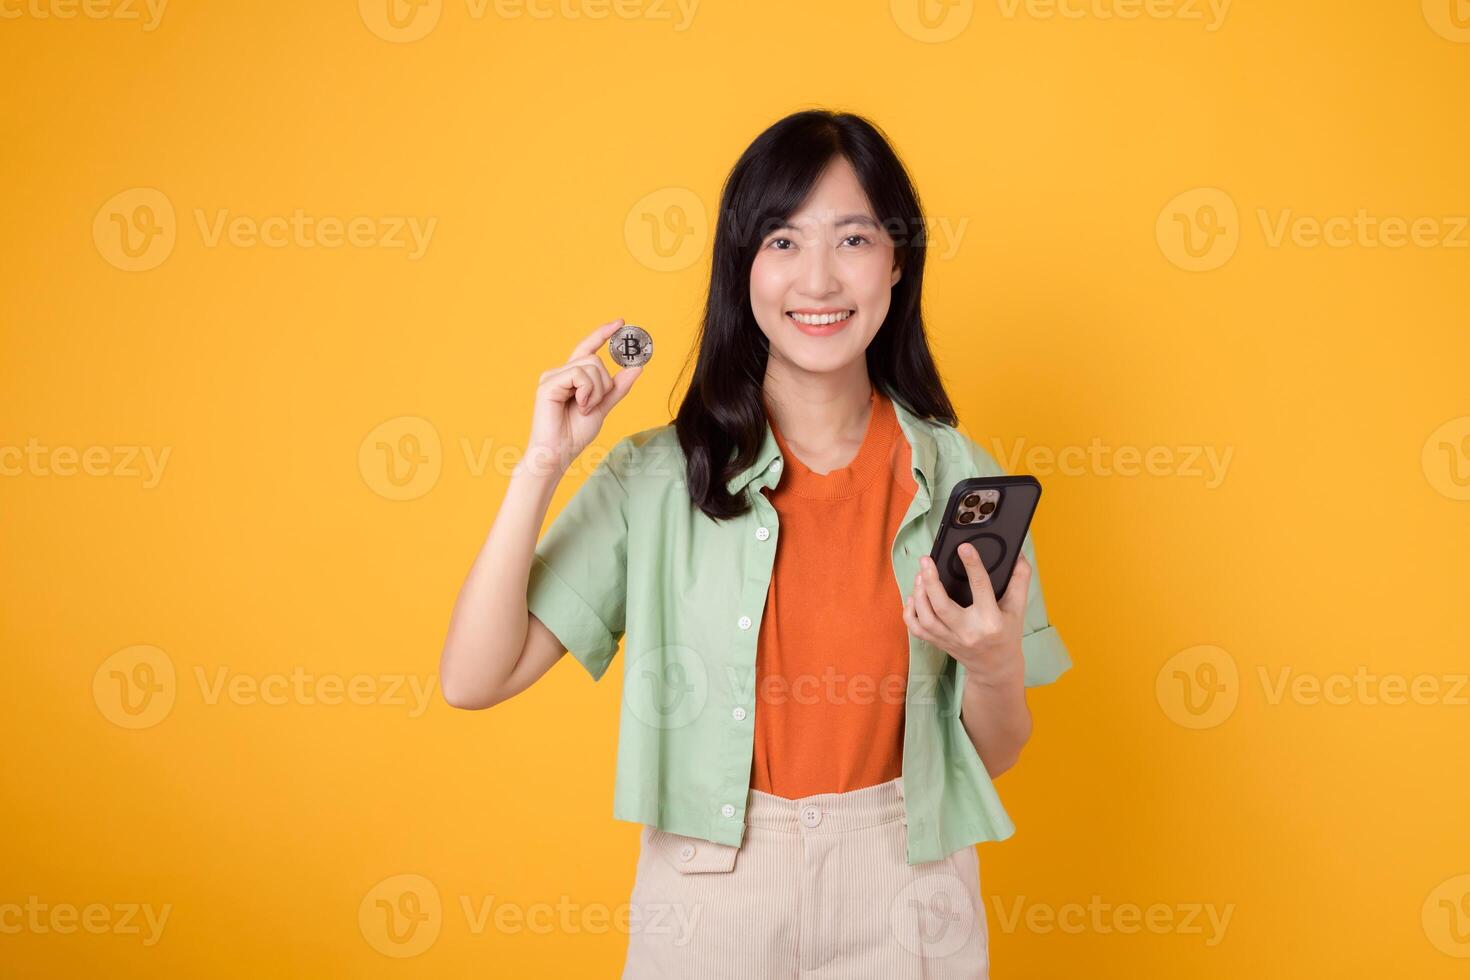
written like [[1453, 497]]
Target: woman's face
[[830, 260]]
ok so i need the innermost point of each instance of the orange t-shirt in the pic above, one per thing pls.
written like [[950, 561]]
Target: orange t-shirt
[[832, 658]]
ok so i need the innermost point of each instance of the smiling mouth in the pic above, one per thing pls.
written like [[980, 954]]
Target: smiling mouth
[[819, 319]]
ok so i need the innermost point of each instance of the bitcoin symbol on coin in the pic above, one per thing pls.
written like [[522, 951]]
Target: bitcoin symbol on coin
[[630, 346]]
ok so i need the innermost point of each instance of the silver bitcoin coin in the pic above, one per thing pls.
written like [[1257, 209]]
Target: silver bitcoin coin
[[630, 346]]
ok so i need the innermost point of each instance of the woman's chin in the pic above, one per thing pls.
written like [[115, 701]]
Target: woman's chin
[[819, 356]]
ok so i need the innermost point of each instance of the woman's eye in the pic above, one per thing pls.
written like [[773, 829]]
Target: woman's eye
[[862, 239], [777, 241]]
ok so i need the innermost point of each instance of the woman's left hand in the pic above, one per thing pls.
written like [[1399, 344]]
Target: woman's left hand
[[984, 636]]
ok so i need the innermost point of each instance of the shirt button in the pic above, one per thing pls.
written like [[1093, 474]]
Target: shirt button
[[775, 465], [745, 622], [686, 852], [728, 810], [739, 714], [811, 815], [762, 533]]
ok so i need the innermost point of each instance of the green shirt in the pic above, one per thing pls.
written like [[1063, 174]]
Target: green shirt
[[630, 552]]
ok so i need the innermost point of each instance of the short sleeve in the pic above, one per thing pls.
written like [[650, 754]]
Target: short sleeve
[[578, 583], [1041, 645]]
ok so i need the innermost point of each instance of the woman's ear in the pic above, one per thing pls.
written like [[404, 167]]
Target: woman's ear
[[897, 275]]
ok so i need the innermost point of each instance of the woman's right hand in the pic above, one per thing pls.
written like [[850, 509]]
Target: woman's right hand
[[572, 400]]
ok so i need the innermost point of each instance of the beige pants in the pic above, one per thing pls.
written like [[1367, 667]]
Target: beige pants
[[819, 889]]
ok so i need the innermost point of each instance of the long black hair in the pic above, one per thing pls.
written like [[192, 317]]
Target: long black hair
[[721, 422]]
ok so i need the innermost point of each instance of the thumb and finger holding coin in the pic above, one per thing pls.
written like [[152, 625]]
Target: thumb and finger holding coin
[[585, 379], [629, 346]]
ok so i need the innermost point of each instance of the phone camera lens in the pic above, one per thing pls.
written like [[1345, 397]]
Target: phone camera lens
[[971, 499], [966, 517], [987, 508]]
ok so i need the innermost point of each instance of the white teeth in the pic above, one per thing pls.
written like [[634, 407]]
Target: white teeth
[[817, 321]]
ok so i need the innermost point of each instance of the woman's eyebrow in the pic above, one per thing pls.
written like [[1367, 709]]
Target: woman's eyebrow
[[842, 219]]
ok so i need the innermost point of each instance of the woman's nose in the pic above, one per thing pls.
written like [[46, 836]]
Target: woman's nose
[[818, 270]]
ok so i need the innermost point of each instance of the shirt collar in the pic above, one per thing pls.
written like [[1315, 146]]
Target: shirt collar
[[915, 430]]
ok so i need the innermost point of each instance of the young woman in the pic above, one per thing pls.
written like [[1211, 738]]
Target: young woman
[[810, 725]]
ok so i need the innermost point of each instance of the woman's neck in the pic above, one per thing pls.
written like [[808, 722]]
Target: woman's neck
[[823, 418]]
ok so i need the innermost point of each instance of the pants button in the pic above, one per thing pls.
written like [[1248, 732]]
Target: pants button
[[811, 815]]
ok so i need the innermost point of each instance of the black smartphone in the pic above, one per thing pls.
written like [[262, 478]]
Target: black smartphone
[[993, 513]]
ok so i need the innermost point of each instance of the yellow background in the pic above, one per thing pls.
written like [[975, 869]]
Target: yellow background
[[547, 150]]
